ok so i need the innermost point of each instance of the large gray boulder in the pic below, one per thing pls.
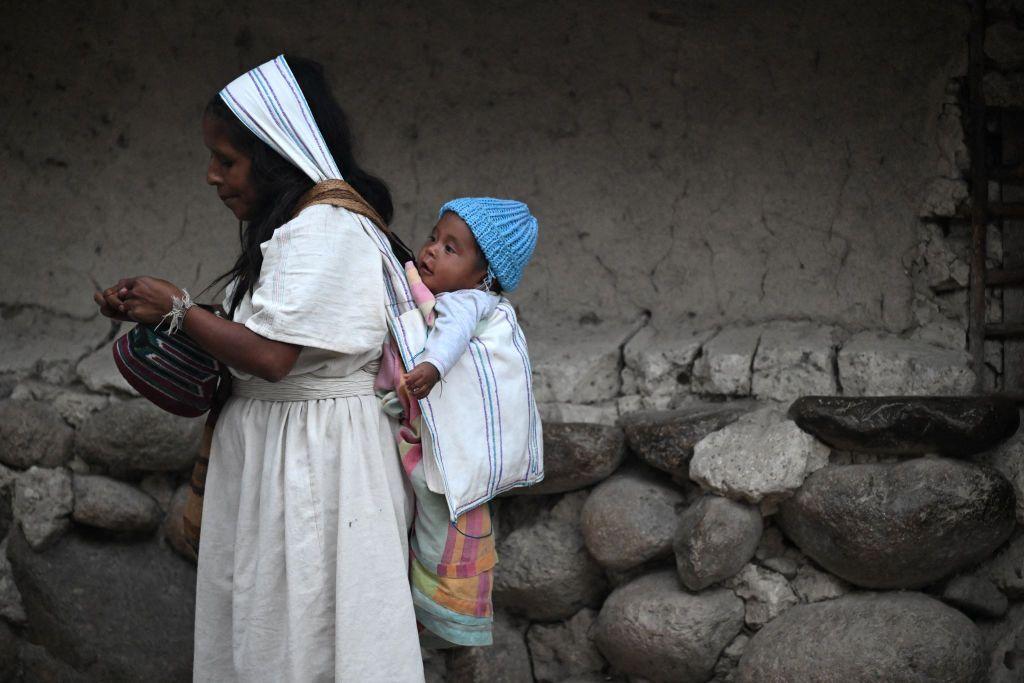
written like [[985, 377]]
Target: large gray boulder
[[653, 629], [664, 439], [43, 501], [136, 436], [33, 433], [109, 504], [715, 538], [900, 525], [577, 455], [955, 426], [545, 572], [629, 519], [113, 611], [562, 650], [867, 637], [761, 456], [505, 661]]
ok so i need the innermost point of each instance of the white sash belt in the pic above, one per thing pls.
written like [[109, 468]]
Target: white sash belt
[[305, 387]]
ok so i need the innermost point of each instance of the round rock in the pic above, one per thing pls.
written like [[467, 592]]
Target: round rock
[[577, 455], [715, 538], [953, 426], [653, 629], [664, 439], [545, 572], [900, 525], [866, 637], [33, 433], [109, 504], [763, 456], [136, 436], [629, 519]]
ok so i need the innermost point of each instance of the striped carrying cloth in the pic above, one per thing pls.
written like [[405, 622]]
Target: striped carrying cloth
[[452, 563], [483, 430]]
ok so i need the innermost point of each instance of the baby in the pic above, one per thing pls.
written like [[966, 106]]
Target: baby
[[476, 251]]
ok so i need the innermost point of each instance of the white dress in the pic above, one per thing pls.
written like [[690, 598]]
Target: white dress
[[303, 568]]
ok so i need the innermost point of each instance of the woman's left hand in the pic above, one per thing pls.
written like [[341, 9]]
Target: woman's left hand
[[148, 299]]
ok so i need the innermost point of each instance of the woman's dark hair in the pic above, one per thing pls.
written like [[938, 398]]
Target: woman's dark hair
[[280, 184]]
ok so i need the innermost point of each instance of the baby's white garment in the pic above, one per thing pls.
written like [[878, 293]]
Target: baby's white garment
[[456, 316]]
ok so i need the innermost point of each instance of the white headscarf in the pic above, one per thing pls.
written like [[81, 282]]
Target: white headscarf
[[270, 103]]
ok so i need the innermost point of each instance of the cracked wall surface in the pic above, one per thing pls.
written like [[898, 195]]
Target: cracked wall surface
[[737, 161]]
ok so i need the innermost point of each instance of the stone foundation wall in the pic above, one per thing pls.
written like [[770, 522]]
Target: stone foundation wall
[[701, 519]]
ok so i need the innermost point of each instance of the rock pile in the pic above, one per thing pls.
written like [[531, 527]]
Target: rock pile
[[89, 589], [691, 526], [787, 564]]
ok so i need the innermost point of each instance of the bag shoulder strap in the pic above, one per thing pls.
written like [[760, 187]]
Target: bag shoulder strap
[[341, 194]]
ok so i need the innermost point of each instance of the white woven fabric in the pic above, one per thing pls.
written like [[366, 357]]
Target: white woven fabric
[[270, 103]]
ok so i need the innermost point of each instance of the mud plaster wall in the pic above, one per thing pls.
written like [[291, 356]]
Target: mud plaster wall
[[736, 161]]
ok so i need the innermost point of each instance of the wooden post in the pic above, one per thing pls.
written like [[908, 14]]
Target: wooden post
[[979, 191]]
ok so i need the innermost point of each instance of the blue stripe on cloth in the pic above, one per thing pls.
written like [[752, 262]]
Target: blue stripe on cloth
[[489, 431], [520, 343], [497, 402], [289, 78], [280, 114]]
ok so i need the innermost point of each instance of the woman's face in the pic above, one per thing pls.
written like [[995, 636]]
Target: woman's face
[[229, 170]]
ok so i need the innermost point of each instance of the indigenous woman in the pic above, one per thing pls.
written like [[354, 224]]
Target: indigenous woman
[[304, 559]]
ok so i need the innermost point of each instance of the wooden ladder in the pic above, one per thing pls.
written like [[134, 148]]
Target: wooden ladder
[[996, 141]]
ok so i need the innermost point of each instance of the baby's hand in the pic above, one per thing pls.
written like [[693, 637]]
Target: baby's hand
[[421, 379]]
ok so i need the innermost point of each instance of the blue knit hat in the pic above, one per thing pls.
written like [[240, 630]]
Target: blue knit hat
[[505, 231]]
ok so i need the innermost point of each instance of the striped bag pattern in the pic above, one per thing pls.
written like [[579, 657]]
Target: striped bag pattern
[[168, 369]]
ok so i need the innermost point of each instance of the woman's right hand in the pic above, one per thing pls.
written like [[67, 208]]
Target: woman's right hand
[[111, 304]]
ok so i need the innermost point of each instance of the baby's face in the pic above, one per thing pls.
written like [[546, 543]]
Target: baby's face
[[450, 259]]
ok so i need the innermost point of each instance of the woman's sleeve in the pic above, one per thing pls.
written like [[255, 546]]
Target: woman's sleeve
[[321, 284]]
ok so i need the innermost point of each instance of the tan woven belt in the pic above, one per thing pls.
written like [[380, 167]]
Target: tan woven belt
[[306, 387]]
